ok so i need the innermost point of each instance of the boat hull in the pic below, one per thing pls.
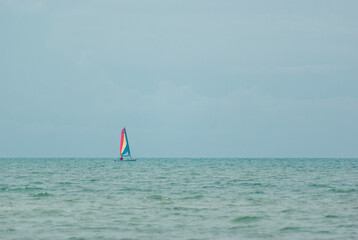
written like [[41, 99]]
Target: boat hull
[[126, 160]]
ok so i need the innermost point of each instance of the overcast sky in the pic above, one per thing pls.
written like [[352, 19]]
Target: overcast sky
[[211, 78]]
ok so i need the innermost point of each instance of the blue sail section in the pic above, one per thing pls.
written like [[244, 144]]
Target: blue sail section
[[126, 151]]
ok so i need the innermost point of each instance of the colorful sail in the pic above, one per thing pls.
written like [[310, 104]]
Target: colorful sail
[[124, 150]]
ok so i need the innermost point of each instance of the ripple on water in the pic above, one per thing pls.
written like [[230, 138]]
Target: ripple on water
[[179, 208], [134, 189], [21, 189], [157, 197], [42, 194], [246, 219], [342, 190], [65, 183], [199, 196], [290, 229], [288, 210]]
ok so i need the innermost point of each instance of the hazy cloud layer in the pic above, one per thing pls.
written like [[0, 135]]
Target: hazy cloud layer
[[187, 78]]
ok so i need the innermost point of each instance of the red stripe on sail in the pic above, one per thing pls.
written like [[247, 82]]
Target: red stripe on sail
[[122, 138]]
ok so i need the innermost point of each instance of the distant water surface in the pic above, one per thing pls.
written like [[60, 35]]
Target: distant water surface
[[179, 199]]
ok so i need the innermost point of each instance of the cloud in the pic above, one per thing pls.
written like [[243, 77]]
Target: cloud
[[25, 6]]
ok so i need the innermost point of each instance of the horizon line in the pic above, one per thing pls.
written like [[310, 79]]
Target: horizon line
[[181, 157]]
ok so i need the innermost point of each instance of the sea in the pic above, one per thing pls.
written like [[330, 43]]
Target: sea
[[178, 198]]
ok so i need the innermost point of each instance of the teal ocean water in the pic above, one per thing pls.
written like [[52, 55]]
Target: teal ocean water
[[179, 199]]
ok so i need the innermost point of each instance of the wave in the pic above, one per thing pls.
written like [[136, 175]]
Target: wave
[[19, 189], [192, 197], [341, 190], [245, 219], [42, 194], [157, 197], [286, 229]]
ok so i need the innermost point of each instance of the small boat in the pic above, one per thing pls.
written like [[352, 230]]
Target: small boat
[[125, 153]]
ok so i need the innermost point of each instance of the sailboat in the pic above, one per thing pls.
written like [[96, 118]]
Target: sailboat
[[125, 153]]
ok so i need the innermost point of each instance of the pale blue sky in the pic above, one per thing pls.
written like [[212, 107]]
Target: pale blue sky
[[187, 78]]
